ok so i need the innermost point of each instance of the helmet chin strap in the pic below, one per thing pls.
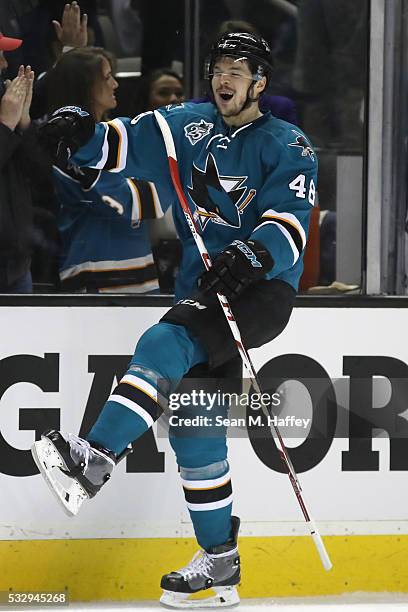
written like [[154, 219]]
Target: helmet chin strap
[[248, 100]]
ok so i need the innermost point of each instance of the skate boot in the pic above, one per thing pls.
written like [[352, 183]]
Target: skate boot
[[217, 568], [73, 469]]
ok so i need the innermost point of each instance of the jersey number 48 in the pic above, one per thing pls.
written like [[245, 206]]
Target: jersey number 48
[[299, 186]]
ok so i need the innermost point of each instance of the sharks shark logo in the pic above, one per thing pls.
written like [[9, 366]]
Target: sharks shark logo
[[219, 199], [303, 144]]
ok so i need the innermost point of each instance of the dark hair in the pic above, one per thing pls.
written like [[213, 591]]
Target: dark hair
[[145, 87], [73, 78]]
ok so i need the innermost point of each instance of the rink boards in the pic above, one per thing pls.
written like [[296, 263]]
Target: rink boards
[[347, 369]]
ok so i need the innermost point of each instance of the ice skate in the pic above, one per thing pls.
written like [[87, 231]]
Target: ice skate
[[73, 469], [217, 569]]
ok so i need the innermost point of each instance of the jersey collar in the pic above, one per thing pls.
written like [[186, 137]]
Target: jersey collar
[[232, 131]]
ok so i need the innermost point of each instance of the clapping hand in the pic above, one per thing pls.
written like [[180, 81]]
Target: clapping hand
[[25, 115], [15, 104]]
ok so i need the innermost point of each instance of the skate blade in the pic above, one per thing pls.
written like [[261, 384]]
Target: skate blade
[[225, 597], [49, 462]]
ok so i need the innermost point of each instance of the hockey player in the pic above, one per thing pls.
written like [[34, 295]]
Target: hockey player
[[251, 183]]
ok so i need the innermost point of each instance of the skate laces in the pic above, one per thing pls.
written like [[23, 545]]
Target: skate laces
[[81, 447], [200, 564]]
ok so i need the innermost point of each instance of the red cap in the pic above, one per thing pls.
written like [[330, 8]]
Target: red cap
[[9, 44]]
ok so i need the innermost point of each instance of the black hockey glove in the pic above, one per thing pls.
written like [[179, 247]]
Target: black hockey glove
[[68, 129], [239, 265]]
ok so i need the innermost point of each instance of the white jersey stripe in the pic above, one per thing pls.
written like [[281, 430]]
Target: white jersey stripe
[[105, 150], [106, 266], [123, 146], [292, 219], [156, 201], [287, 236], [136, 204]]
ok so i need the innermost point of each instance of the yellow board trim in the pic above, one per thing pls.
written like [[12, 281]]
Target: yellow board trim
[[130, 569]]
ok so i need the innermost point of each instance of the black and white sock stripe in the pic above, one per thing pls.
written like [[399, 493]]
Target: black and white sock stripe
[[138, 395], [208, 494]]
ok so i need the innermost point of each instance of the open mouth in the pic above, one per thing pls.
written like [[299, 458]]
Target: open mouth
[[226, 96]]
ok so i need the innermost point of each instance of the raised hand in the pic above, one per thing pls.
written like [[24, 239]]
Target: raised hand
[[72, 31], [12, 103], [25, 115]]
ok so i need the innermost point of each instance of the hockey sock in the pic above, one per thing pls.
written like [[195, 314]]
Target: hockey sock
[[208, 494], [163, 355]]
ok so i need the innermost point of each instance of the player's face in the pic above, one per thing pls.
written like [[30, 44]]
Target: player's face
[[231, 81], [166, 90], [104, 92]]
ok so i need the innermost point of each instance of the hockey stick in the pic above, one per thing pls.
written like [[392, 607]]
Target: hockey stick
[[175, 177]]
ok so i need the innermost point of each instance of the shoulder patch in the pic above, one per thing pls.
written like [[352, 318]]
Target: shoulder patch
[[179, 105], [303, 144], [196, 131]]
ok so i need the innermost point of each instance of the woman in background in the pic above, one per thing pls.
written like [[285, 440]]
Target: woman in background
[[159, 88], [105, 244]]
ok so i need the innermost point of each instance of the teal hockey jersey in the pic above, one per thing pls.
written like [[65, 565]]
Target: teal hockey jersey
[[105, 243], [255, 181]]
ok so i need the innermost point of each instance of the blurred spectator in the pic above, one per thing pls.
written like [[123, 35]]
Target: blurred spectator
[[159, 88], [128, 27], [105, 243], [163, 26], [276, 21], [58, 36], [267, 16], [212, 13], [11, 12], [15, 196], [88, 7], [71, 32], [32, 21], [330, 70]]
